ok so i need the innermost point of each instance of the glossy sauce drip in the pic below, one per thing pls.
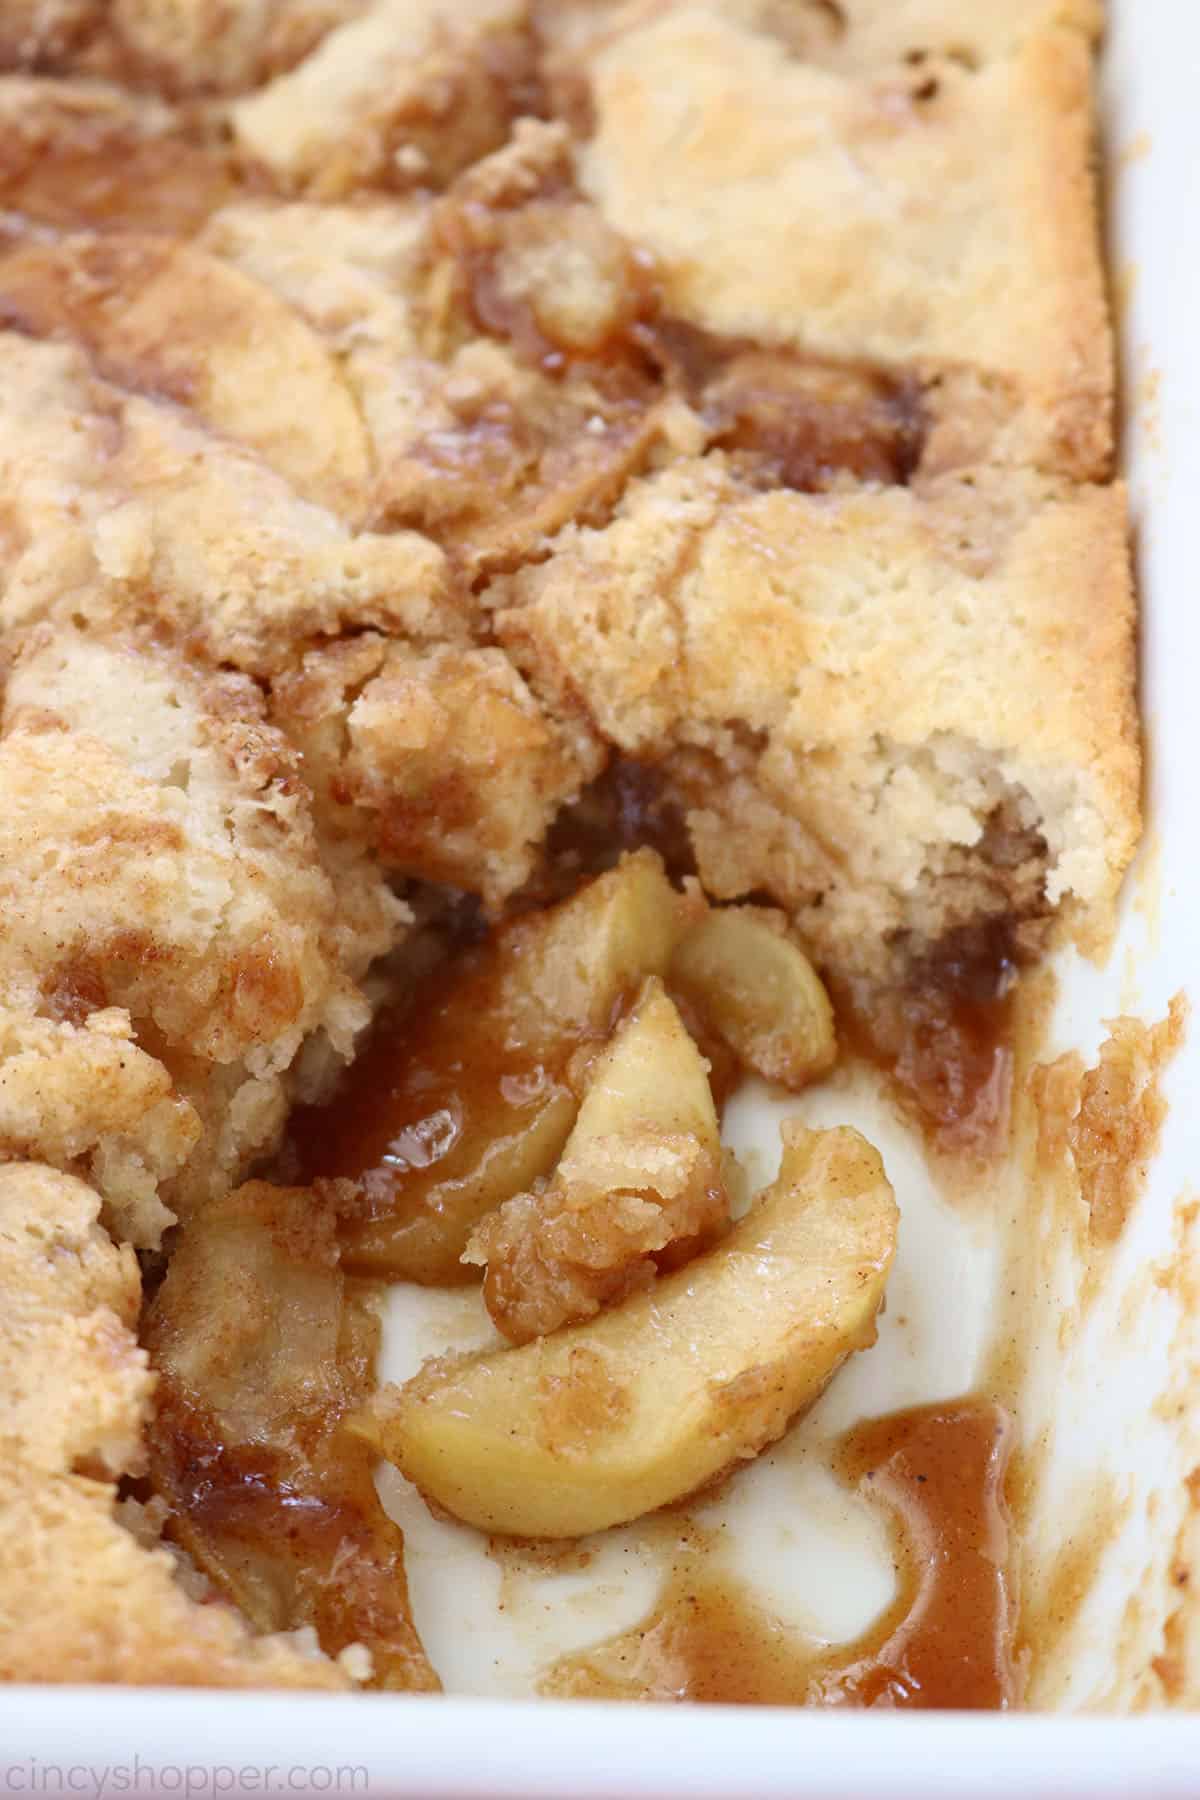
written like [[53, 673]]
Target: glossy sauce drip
[[442, 1099], [290, 1541], [940, 1470], [948, 1058], [786, 420], [614, 360], [946, 1640], [522, 458], [504, 247], [449, 1109], [75, 989]]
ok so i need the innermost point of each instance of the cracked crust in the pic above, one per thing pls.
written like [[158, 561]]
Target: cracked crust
[[441, 760], [86, 154], [179, 46], [474, 439], [162, 860], [238, 358], [119, 507], [86, 1098], [848, 787]]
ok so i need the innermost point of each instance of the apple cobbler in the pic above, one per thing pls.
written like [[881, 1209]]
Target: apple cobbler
[[552, 557]]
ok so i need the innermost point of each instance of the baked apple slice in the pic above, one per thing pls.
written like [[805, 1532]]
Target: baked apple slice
[[754, 986], [608, 1420], [639, 1180], [262, 1348], [470, 1097]]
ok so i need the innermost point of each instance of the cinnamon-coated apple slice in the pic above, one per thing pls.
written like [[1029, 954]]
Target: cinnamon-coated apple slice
[[608, 1420]]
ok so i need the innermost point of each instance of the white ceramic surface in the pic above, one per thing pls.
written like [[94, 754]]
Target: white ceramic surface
[[484, 1748]]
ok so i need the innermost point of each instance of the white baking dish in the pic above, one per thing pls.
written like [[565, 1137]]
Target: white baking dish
[[1100, 1399]]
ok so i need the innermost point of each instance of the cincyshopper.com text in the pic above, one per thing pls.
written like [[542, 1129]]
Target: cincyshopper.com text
[[195, 1781]]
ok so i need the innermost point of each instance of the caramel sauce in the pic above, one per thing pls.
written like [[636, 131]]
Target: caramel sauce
[[440, 1104], [444, 1095], [499, 482], [626, 807], [291, 1541], [946, 1640], [945, 1041], [544, 275], [527, 327], [785, 419], [76, 298], [263, 1353], [941, 1471], [482, 239], [465, 1096], [792, 420], [73, 991], [446, 1111]]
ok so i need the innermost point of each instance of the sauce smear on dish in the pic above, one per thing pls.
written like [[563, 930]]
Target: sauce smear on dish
[[944, 1642]]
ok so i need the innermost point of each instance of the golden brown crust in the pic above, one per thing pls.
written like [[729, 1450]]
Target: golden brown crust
[[460, 336], [168, 848], [162, 859], [933, 216], [123, 507], [441, 760], [80, 1598], [86, 1098], [70, 1302], [856, 36], [891, 742], [441, 317], [235, 356], [78, 154], [407, 93], [178, 46], [43, 31], [82, 1601]]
